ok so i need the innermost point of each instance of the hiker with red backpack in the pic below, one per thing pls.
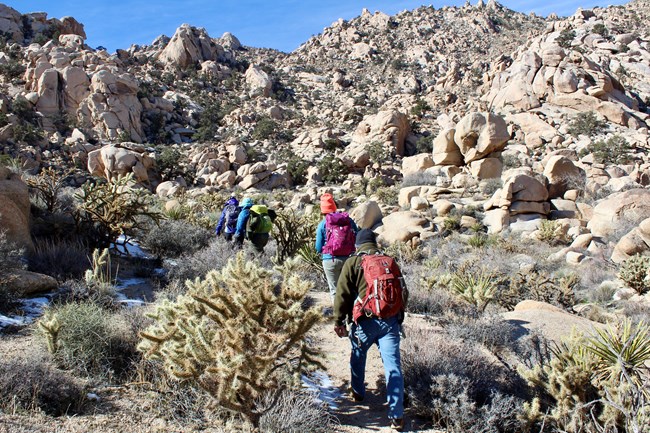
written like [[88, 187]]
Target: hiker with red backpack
[[334, 240], [369, 309], [228, 221]]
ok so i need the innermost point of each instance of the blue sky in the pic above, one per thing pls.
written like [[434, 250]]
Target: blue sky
[[280, 24]]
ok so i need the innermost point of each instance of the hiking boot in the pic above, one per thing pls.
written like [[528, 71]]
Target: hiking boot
[[356, 397], [397, 424]]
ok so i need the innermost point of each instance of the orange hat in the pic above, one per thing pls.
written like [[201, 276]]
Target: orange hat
[[327, 204]]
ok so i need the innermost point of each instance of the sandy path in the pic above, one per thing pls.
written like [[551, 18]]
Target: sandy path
[[371, 415]]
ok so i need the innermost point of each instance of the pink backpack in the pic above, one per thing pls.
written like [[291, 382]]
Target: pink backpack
[[339, 234]]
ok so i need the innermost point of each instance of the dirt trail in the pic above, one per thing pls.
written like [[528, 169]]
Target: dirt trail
[[371, 415]]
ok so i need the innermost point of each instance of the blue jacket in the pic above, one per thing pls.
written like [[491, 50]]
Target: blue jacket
[[321, 238], [240, 231], [222, 219]]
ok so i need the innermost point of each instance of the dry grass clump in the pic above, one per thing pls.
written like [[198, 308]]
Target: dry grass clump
[[89, 340], [458, 386], [10, 260], [31, 384], [171, 238], [294, 412], [492, 332], [60, 259], [199, 263]]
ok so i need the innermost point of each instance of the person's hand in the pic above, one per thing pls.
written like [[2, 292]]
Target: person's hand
[[341, 331]]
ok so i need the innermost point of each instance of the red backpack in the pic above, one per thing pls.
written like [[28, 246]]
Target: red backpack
[[386, 291], [339, 235]]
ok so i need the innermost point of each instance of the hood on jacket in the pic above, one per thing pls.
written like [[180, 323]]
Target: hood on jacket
[[248, 202], [232, 200]]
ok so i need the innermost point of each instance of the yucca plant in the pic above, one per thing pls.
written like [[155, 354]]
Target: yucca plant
[[476, 289], [626, 346]]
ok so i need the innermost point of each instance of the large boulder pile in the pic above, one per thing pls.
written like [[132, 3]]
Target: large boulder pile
[[474, 142], [388, 128], [189, 46], [522, 198], [622, 208], [115, 160]]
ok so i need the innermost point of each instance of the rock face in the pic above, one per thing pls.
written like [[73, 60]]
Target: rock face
[[636, 241], [479, 134], [387, 128], [562, 175], [445, 149], [189, 46], [15, 209], [366, 215], [258, 81], [25, 283], [609, 214], [112, 160], [401, 227]]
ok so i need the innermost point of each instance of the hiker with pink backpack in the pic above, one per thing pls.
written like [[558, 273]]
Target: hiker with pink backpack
[[335, 237]]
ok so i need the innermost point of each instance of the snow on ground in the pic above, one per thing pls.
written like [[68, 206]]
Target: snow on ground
[[320, 384], [31, 309], [129, 247]]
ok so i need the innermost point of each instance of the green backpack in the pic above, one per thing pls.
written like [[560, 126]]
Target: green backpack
[[259, 221]]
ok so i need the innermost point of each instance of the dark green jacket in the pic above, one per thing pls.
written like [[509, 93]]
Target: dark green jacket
[[351, 284]]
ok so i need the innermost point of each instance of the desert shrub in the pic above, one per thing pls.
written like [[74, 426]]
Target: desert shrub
[[477, 290], [493, 332], [264, 128], [455, 385], [550, 231], [451, 223], [293, 232], [405, 252], [260, 333], [297, 169], [88, 339], [424, 144], [586, 123], [12, 70], [635, 273], [419, 109], [199, 263], [31, 384], [614, 150], [600, 29], [603, 293], [565, 38], [169, 162], [26, 132], [419, 178], [332, 170], [539, 286], [115, 208], [48, 184], [172, 238], [209, 121], [595, 382], [294, 412], [378, 152], [59, 259], [490, 186]]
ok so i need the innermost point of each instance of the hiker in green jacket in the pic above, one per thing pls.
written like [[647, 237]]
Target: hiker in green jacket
[[369, 330]]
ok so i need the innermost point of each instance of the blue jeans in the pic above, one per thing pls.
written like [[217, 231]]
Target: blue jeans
[[385, 333], [332, 268]]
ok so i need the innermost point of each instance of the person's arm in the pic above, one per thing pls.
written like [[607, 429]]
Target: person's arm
[[346, 293], [222, 220], [320, 237]]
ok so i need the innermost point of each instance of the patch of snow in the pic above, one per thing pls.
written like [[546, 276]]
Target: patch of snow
[[122, 284], [129, 247], [321, 385], [32, 308]]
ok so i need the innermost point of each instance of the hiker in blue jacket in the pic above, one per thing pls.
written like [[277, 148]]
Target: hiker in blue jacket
[[228, 220], [334, 252], [244, 214]]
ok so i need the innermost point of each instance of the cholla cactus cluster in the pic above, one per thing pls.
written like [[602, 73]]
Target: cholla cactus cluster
[[599, 381], [237, 333]]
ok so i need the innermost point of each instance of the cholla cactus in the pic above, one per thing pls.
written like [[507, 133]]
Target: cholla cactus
[[50, 326], [237, 333], [635, 271]]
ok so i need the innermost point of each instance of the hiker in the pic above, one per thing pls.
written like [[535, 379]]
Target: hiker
[[334, 240], [228, 220], [367, 320], [254, 223]]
